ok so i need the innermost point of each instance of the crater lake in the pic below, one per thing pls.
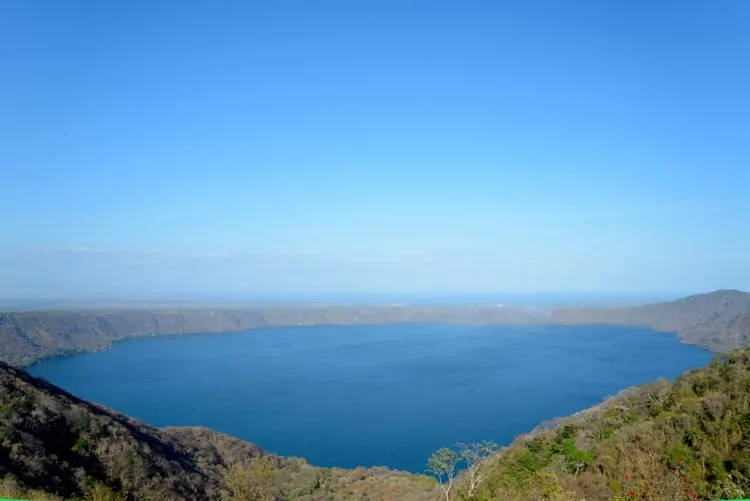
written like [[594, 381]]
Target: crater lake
[[381, 395]]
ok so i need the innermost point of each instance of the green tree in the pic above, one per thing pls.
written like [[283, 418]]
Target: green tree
[[442, 465], [253, 482]]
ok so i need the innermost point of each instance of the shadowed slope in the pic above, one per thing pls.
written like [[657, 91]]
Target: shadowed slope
[[54, 442], [719, 321]]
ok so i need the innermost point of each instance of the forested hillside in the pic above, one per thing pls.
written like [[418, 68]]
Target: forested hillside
[[684, 441]]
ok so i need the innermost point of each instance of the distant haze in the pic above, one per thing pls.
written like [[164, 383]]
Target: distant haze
[[257, 150], [235, 301], [125, 275]]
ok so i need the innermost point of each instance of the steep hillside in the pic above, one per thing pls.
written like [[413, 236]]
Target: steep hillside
[[715, 320], [53, 442], [29, 336], [686, 441]]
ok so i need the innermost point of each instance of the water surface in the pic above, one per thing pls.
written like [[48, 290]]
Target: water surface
[[371, 395]]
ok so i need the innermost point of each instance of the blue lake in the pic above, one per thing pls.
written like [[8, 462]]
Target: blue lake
[[371, 395]]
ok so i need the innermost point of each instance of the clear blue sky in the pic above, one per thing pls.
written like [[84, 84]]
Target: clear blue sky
[[159, 147]]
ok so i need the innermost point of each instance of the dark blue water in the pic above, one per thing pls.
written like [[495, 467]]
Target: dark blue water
[[371, 395]]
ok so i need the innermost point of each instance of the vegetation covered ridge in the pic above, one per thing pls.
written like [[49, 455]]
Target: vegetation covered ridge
[[718, 321], [682, 441]]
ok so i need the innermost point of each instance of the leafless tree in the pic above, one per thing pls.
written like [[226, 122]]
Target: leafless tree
[[657, 392], [442, 465], [475, 456]]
